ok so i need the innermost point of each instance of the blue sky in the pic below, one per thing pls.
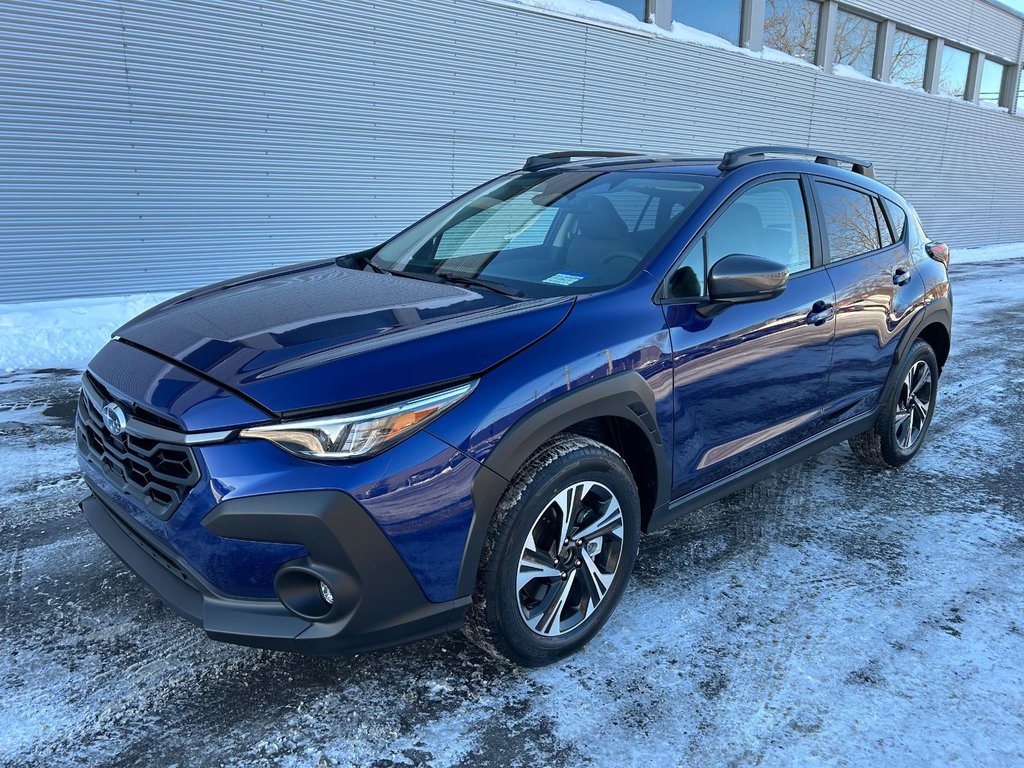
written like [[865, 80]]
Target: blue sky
[[1018, 4]]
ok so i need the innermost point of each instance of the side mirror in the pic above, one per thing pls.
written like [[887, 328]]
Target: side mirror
[[739, 279]]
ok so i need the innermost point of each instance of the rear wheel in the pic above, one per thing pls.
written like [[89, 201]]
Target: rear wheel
[[903, 423], [560, 550]]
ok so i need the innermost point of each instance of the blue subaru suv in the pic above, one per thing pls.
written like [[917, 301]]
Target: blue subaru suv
[[471, 424]]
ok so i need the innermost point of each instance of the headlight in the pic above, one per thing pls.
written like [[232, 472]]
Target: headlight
[[356, 435]]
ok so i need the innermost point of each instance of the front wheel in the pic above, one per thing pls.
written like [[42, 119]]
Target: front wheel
[[560, 549], [903, 423]]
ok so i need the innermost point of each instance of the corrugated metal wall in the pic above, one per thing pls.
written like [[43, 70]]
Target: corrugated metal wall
[[161, 144]]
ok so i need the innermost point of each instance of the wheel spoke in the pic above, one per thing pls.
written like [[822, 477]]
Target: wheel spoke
[[548, 621], [567, 503], [609, 521], [535, 564], [598, 583]]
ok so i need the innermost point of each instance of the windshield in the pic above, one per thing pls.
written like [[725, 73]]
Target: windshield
[[547, 233]]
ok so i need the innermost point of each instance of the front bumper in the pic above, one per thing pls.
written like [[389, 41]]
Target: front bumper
[[377, 604]]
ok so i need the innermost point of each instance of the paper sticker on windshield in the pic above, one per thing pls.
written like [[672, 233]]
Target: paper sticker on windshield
[[565, 278]]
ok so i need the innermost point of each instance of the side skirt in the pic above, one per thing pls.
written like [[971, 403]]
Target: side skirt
[[750, 475]]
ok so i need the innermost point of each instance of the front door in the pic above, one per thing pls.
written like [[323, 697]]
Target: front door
[[750, 380]]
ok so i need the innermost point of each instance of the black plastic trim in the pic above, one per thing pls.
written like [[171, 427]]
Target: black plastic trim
[[625, 395], [378, 602], [749, 475]]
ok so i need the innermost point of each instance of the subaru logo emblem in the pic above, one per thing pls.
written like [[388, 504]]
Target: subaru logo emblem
[[114, 419]]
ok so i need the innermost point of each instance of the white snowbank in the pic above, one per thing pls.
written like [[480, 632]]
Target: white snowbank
[[1003, 252], [65, 333]]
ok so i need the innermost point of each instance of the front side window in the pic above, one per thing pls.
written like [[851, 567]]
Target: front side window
[[791, 26], [770, 221], [956, 63], [547, 233], [850, 221], [720, 18], [856, 38], [909, 58], [992, 76]]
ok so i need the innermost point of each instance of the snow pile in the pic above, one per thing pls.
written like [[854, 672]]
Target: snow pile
[[65, 333], [1003, 252]]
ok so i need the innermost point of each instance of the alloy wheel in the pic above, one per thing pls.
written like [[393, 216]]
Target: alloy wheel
[[570, 558], [914, 405]]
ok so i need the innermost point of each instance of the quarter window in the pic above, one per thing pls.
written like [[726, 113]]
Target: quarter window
[[883, 225], [992, 76], [909, 58], [850, 221], [791, 26], [769, 220], [856, 38], [898, 218], [720, 18], [953, 73]]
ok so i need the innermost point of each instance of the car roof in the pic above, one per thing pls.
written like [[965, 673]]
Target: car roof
[[822, 165]]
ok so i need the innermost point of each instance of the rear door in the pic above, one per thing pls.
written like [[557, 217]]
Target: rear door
[[876, 289], [749, 380]]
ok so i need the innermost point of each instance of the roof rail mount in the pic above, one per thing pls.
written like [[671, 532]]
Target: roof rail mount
[[551, 159], [739, 157]]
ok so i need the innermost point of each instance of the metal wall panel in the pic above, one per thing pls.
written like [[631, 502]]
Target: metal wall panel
[[162, 144]]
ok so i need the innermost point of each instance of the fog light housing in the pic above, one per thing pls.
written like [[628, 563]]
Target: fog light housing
[[326, 594]]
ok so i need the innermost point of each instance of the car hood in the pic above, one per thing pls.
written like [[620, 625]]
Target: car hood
[[316, 336]]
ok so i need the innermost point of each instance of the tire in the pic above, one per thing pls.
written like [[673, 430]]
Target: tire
[[524, 608], [903, 423]]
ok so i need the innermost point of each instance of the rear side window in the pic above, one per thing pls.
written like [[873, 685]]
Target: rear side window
[[850, 222], [897, 217]]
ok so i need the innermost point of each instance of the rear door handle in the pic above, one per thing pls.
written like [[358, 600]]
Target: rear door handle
[[901, 276], [821, 313]]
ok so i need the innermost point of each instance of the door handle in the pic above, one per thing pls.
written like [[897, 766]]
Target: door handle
[[901, 276], [821, 313]]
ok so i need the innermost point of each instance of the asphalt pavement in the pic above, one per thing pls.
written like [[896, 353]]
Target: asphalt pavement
[[832, 614]]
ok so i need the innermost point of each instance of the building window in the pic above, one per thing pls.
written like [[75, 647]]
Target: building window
[[637, 8], [856, 39], [791, 26], [721, 18], [909, 58], [992, 76], [956, 63], [1020, 97]]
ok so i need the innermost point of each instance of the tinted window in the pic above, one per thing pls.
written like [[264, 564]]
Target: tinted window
[[856, 38], [792, 26], [769, 220], [992, 82], [635, 7], [850, 221], [548, 232], [687, 282], [721, 18], [909, 58], [953, 73], [898, 218]]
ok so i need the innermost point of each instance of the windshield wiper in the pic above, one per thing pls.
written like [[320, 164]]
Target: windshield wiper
[[476, 282]]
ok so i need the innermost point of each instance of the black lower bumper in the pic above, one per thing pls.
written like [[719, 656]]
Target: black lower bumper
[[377, 601]]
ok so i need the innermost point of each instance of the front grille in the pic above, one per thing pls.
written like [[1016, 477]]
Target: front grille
[[157, 474]]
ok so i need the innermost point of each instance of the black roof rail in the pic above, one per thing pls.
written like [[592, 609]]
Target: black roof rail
[[551, 159], [739, 157]]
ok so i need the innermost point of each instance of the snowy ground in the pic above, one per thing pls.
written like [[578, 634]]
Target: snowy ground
[[832, 614]]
